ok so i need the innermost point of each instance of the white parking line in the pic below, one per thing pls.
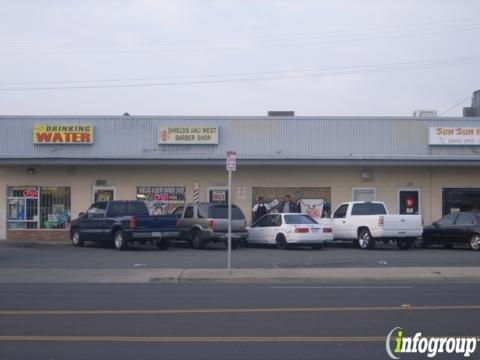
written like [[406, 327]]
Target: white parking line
[[342, 287]]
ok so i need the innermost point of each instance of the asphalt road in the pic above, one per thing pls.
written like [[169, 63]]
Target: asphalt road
[[34, 255], [208, 321]]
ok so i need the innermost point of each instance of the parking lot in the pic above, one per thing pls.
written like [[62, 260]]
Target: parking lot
[[341, 255]]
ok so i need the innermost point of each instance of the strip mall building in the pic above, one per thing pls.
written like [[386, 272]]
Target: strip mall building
[[52, 168]]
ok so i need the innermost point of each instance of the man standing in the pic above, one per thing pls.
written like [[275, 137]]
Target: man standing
[[286, 206], [259, 209]]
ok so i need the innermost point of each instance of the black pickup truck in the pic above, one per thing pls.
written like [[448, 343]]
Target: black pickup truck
[[121, 223]]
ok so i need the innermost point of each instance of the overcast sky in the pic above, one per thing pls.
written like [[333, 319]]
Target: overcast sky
[[352, 57]]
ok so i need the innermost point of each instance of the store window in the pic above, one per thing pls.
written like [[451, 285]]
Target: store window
[[363, 194], [162, 200], [35, 207], [314, 201], [455, 200]]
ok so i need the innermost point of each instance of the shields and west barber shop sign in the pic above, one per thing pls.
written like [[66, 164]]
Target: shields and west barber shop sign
[[195, 135], [62, 134]]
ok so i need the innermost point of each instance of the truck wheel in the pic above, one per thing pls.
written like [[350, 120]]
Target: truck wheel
[[119, 241], [404, 244], [365, 239], [197, 240], [281, 242], [421, 243], [76, 240], [475, 242], [163, 244]]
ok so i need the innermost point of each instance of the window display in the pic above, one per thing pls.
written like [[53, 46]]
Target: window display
[[162, 200], [35, 207], [460, 199], [314, 201]]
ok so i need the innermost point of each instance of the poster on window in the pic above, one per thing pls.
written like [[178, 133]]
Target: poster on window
[[409, 202], [219, 196], [312, 207]]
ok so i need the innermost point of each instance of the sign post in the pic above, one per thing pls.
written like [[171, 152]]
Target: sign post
[[231, 166]]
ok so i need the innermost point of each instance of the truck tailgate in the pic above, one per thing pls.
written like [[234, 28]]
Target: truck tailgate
[[156, 223], [402, 222]]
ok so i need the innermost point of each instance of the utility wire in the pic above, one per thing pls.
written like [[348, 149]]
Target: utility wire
[[280, 73], [271, 75], [456, 105]]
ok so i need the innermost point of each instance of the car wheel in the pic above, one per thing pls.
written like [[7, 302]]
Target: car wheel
[[119, 241], [281, 242], [404, 244], [197, 241], [475, 242], [163, 244], [76, 240], [356, 243], [421, 243], [317, 246], [447, 246], [365, 240]]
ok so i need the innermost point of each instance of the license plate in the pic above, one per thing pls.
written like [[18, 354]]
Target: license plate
[[157, 234], [402, 233], [315, 230]]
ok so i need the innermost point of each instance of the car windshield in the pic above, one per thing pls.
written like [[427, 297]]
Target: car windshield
[[221, 212], [299, 219]]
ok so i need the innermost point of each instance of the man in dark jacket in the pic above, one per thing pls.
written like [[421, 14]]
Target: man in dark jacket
[[287, 206]]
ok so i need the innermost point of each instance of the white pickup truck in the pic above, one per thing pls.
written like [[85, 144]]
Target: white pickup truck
[[365, 222]]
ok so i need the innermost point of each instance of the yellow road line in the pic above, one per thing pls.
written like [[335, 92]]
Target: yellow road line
[[185, 339], [234, 311]]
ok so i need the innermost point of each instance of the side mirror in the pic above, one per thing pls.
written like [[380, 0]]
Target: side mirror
[[81, 214], [435, 224]]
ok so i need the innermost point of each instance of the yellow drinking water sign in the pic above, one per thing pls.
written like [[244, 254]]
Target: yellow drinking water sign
[[62, 134]]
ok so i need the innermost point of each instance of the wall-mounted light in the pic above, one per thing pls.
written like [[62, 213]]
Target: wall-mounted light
[[31, 171], [366, 175]]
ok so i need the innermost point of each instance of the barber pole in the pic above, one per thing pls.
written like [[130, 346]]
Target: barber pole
[[196, 192]]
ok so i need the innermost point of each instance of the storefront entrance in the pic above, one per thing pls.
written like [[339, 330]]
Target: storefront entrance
[[104, 193]]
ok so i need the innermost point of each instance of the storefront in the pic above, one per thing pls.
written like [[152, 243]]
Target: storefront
[[52, 168]]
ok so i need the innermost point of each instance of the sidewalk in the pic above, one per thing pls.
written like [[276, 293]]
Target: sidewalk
[[298, 275]]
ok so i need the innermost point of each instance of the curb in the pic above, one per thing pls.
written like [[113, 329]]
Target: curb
[[238, 276]]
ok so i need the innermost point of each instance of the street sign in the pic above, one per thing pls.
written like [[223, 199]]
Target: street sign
[[231, 160], [231, 166]]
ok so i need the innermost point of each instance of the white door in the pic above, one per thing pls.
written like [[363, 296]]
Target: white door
[[339, 222], [271, 229], [256, 234]]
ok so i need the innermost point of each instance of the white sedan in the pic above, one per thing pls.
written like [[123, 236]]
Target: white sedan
[[289, 229]]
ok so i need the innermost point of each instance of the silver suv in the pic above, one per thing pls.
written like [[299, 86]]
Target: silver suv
[[200, 223]]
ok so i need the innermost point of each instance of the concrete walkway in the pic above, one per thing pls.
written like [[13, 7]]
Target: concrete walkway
[[318, 275]]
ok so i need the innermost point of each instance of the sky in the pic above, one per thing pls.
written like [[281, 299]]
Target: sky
[[238, 58]]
